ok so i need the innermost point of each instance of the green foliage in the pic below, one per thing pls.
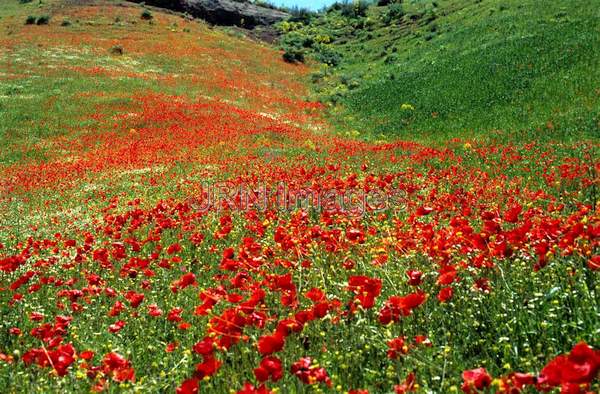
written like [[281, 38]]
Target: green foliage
[[38, 20], [349, 9], [393, 13], [355, 9], [329, 56], [302, 15], [293, 56], [43, 20], [147, 15]]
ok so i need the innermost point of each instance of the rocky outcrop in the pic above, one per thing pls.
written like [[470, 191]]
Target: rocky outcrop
[[224, 12]]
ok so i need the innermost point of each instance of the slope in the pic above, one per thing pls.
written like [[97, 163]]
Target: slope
[[471, 67]]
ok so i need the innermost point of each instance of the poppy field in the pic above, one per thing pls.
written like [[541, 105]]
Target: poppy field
[[177, 216]]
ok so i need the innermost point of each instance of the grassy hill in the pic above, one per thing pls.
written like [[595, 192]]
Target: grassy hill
[[465, 66]]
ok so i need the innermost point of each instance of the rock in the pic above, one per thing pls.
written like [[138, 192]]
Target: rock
[[231, 12], [224, 12]]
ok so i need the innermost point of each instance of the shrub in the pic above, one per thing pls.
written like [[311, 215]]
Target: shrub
[[147, 15], [329, 57], [42, 20], [429, 36], [391, 59], [429, 16], [293, 56], [302, 15], [356, 9], [394, 12], [30, 20], [116, 50], [297, 40], [25, 1], [66, 22]]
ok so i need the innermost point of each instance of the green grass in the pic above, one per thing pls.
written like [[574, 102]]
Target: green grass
[[468, 67]]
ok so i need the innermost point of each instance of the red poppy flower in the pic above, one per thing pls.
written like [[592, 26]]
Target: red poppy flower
[[414, 277], [14, 331], [397, 306], [174, 315], [208, 367], [250, 389], [270, 368], [445, 294], [423, 211], [36, 316], [117, 308], [315, 294], [184, 281], [397, 347], [86, 355], [512, 214], [171, 347], [447, 277], [118, 367], [594, 263], [204, 347], [422, 340], [366, 289], [309, 374], [175, 248], [515, 382], [189, 386], [60, 358], [154, 310], [407, 386], [580, 366], [116, 327], [135, 299], [475, 379], [269, 344]]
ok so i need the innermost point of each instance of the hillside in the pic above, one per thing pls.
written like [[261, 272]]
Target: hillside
[[466, 66], [178, 216]]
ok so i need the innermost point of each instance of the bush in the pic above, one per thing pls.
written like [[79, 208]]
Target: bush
[[297, 41], [356, 9], [302, 15], [293, 56], [394, 12], [329, 57], [430, 36], [66, 22], [30, 20], [25, 1], [147, 15], [116, 50], [42, 20]]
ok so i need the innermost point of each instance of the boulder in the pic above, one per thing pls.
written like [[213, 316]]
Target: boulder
[[224, 12]]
